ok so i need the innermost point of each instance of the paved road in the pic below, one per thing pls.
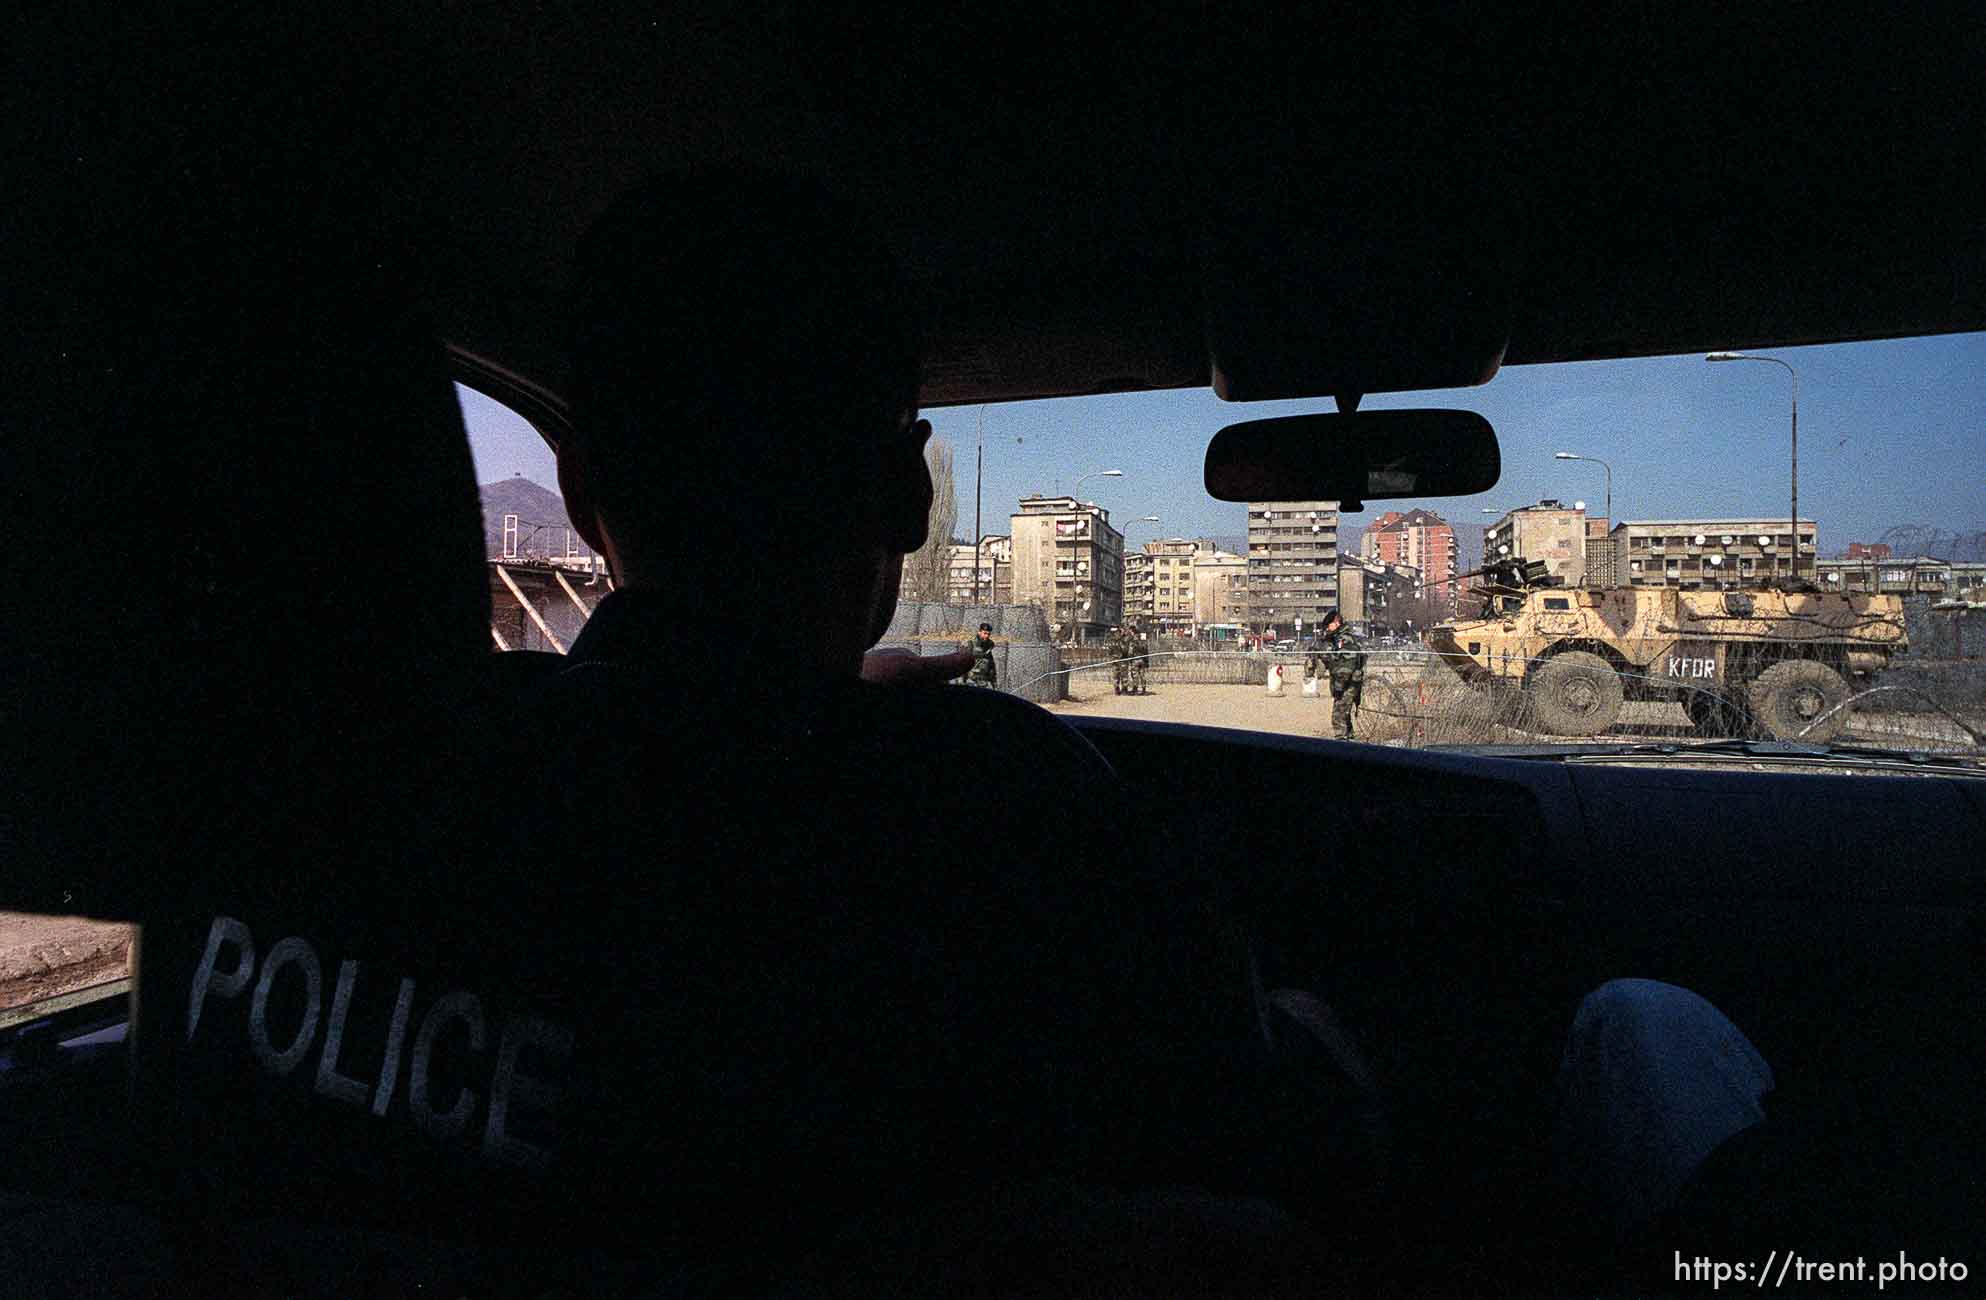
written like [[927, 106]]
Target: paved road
[[1248, 708], [1252, 708]]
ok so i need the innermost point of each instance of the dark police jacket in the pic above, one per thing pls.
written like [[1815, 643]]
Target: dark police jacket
[[682, 957]]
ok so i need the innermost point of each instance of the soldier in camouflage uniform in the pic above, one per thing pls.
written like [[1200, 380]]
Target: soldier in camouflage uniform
[[984, 672], [1343, 658], [1139, 649], [1118, 647]]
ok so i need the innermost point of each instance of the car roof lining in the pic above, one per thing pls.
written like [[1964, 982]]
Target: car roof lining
[[1633, 186]]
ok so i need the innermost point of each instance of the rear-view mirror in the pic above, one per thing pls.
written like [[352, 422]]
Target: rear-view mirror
[[1350, 458]]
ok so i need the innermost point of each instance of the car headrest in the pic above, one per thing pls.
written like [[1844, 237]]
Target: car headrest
[[238, 453]]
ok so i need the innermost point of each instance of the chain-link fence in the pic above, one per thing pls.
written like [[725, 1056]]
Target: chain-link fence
[[1094, 671]]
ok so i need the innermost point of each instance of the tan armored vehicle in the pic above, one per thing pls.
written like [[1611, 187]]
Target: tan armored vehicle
[[1769, 663]]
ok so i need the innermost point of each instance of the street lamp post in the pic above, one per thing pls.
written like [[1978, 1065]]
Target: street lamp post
[[978, 480], [1743, 356], [1075, 583], [1095, 473], [1568, 455], [979, 554]]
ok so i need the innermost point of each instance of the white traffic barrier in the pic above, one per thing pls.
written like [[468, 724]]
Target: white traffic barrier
[[1275, 679]]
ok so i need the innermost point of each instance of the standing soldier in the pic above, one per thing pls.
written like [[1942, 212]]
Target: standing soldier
[[983, 673], [1343, 657], [1118, 647]]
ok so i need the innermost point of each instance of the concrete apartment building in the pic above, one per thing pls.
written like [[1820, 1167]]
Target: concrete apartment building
[[1602, 567], [1549, 531], [1420, 540], [994, 582], [1292, 565], [1220, 587], [1712, 552], [1172, 607], [1070, 561], [1367, 589], [1921, 575], [1138, 586]]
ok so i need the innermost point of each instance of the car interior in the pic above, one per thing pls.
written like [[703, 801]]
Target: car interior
[[257, 711]]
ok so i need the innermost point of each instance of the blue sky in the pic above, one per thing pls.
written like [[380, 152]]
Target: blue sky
[[1890, 433]]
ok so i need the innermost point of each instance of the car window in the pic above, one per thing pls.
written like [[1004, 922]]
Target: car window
[[1632, 580], [544, 577], [52, 963]]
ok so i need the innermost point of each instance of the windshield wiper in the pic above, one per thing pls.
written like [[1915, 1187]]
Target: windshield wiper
[[1808, 749]]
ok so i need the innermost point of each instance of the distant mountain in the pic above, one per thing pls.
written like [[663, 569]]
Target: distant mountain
[[541, 519]]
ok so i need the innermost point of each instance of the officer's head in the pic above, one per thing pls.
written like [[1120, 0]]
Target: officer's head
[[986, 630], [1332, 622], [745, 350]]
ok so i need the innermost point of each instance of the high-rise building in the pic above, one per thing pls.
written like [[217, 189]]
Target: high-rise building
[[1292, 565], [1171, 608], [1421, 540], [1070, 561], [1138, 586]]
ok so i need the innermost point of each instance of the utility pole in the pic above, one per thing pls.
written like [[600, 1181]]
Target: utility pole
[[1794, 562], [978, 476]]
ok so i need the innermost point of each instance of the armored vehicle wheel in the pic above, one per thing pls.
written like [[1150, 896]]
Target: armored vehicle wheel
[[1574, 694], [1788, 697]]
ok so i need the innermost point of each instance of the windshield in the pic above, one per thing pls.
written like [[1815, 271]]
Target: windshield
[[1642, 575]]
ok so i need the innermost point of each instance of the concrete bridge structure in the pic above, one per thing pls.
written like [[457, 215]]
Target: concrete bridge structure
[[536, 605]]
